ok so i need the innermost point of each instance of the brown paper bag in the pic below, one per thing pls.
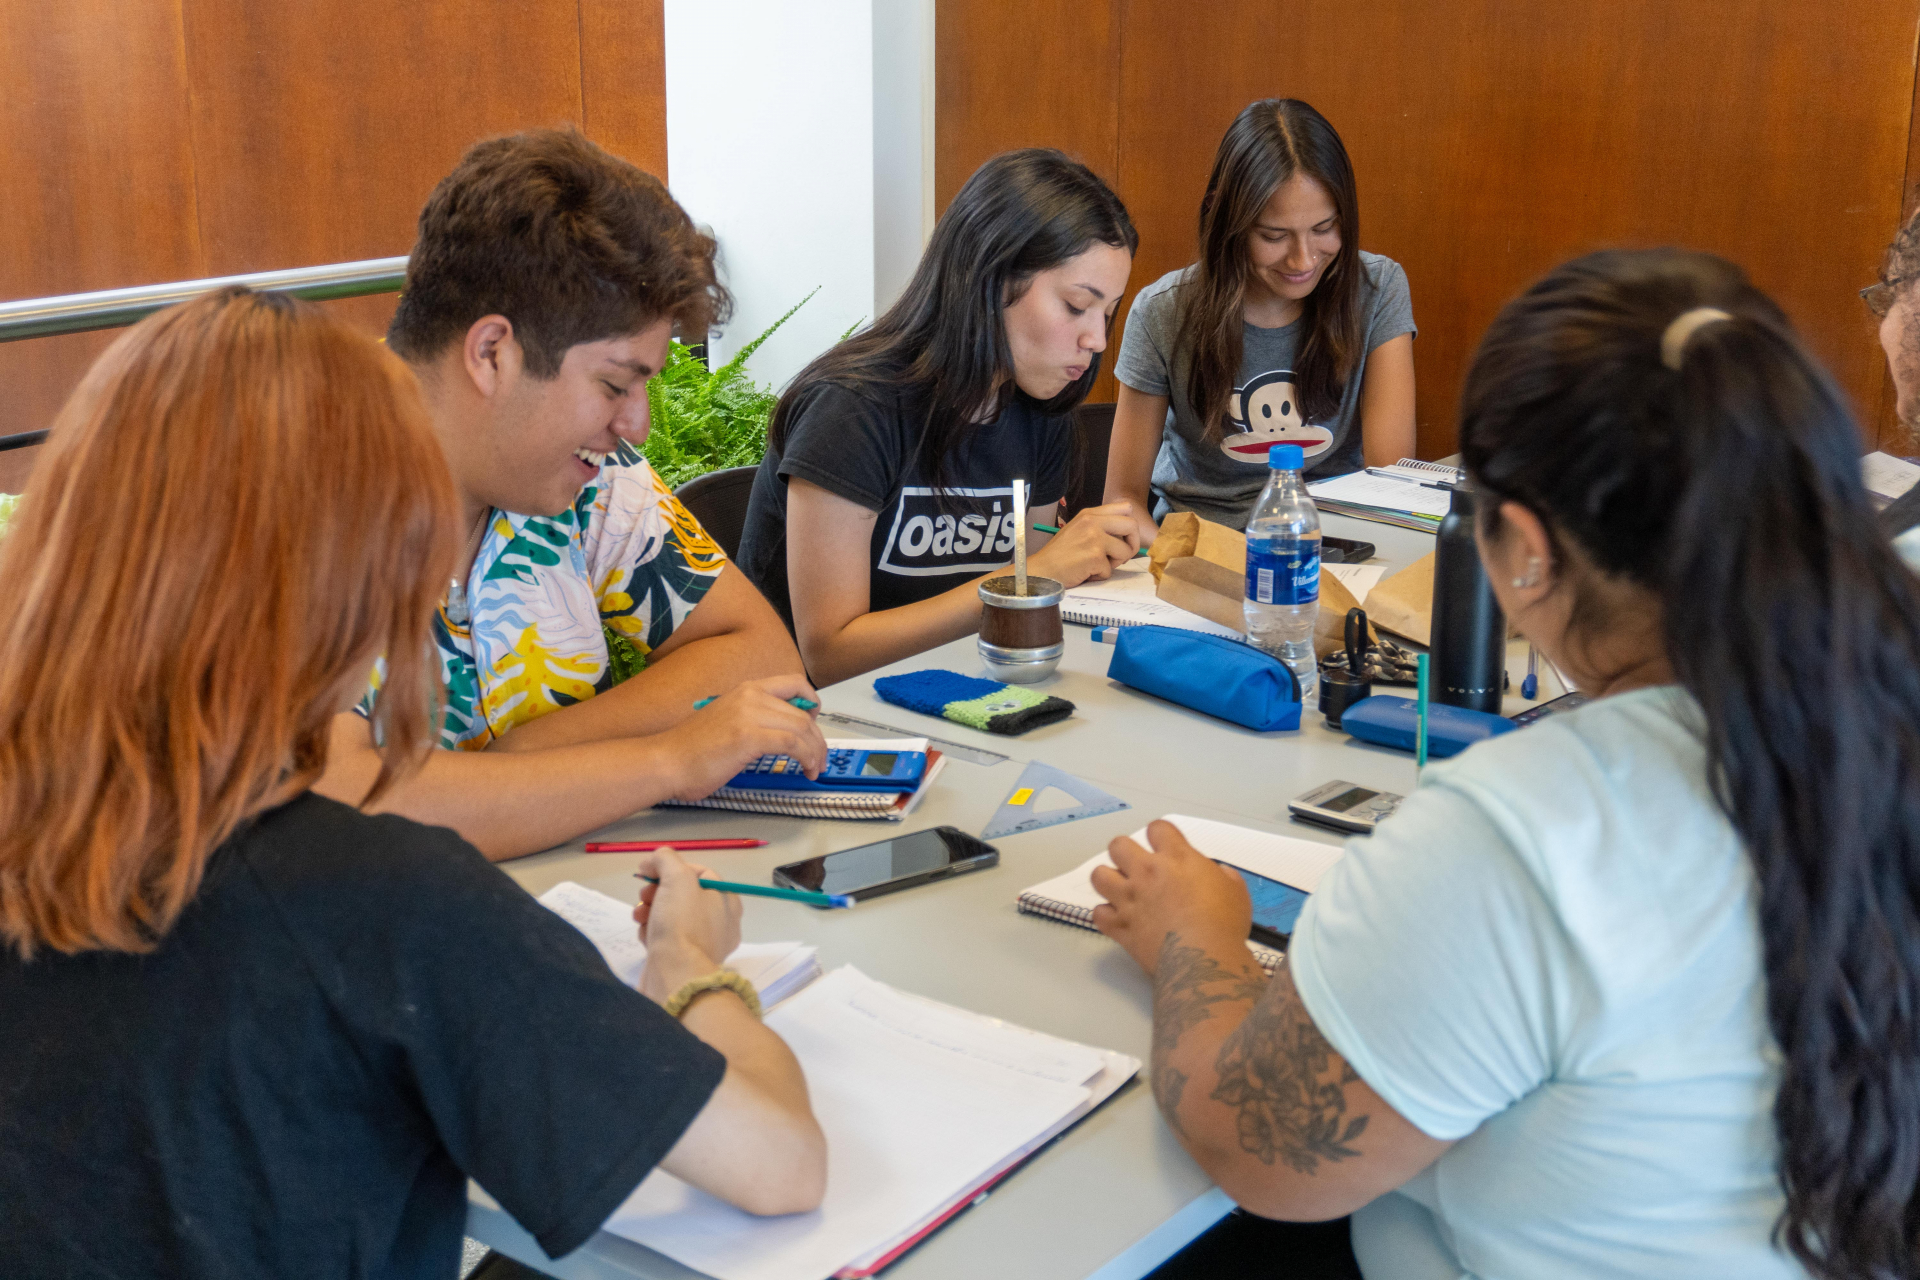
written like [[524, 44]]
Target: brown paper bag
[[1403, 604], [1201, 567], [1186, 534]]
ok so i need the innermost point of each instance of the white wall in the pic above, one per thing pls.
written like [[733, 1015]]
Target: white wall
[[802, 134]]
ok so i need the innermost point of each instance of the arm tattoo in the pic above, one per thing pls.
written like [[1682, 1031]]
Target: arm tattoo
[[1274, 1068], [1187, 982]]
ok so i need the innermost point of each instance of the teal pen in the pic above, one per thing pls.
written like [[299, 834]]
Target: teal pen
[[1420, 717], [768, 891], [805, 704], [1054, 528]]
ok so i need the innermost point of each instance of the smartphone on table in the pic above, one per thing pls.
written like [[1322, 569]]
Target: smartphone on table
[[886, 866], [1276, 907]]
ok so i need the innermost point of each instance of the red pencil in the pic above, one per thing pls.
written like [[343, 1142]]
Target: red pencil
[[648, 846]]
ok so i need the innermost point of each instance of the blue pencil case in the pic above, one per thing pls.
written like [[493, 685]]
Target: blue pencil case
[[1394, 722], [1221, 677]]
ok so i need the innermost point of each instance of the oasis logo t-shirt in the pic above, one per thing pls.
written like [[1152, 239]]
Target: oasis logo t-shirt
[[864, 446]]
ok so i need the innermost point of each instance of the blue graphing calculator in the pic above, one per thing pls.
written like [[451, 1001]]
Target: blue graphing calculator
[[847, 770]]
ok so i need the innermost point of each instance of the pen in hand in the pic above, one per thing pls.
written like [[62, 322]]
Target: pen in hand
[[1054, 528], [805, 704], [768, 891]]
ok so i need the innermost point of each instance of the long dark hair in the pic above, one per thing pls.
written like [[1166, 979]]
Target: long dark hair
[[943, 345], [1267, 144], [1730, 488]]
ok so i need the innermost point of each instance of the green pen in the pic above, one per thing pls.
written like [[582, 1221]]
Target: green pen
[[768, 891], [1420, 716], [1054, 528], [805, 704]]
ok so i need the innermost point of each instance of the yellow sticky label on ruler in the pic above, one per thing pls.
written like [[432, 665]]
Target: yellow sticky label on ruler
[[1021, 796]]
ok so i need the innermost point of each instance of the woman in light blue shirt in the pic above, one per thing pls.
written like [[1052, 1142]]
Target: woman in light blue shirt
[[1636, 991]]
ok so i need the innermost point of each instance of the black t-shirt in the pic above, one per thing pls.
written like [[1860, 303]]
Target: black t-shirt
[[863, 446], [353, 1016]]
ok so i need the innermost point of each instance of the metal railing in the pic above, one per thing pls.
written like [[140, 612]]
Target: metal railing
[[112, 308]]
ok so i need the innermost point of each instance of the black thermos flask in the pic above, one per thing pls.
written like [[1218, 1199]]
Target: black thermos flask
[[1469, 630]]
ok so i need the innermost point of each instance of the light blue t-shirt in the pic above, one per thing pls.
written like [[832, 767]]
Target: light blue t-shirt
[[1552, 954]]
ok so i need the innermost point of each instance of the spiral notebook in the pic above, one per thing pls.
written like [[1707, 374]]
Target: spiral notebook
[[893, 806], [1127, 600], [1071, 898], [1400, 495]]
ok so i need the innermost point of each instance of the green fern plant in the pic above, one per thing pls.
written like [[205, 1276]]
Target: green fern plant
[[7, 503], [708, 419]]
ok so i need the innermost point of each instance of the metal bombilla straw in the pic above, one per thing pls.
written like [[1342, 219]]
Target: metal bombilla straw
[[1020, 537]]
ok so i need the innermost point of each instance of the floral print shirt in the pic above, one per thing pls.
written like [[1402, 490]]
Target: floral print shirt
[[545, 591]]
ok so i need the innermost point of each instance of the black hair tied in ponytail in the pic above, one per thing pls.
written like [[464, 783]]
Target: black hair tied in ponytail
[[1725, 479]]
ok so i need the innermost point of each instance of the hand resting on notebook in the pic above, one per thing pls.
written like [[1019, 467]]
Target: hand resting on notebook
[[1245, 1080]]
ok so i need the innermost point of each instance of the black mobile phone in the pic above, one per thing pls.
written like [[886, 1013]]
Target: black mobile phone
[[1344, 550], [1565, 702], [1275, 908], [889, 865]]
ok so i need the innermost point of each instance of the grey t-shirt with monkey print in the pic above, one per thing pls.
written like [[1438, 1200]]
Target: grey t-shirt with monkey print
[[1220, 479]]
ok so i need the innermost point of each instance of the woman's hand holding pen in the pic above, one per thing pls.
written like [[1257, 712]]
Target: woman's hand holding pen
[[689, 931], [1090, 545]]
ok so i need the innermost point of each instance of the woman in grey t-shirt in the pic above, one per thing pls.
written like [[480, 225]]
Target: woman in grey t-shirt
[[1283, 332]]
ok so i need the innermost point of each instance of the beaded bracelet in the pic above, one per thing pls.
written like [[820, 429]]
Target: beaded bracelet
[[718, 980]]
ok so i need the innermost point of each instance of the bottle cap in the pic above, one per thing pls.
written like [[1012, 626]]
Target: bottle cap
[[1286, 457]]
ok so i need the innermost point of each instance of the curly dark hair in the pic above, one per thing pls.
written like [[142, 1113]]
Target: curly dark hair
[[565, 239]]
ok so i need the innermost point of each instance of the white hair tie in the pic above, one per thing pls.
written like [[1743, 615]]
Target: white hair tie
[[1673, 343]]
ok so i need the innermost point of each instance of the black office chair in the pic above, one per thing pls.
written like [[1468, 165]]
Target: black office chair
[[718, 501], [1087, 476]]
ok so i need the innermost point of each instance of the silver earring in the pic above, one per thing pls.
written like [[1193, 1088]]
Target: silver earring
[[1532, 578]]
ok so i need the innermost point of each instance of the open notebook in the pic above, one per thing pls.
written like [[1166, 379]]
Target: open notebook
[[1127, 600], [1397, 495], [924, 1107], [1071, 898]]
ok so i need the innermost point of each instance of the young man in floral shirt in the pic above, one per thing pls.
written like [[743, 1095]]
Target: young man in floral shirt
[[540, 297]]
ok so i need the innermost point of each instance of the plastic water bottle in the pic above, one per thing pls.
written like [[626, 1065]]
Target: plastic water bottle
[[1283, 567]]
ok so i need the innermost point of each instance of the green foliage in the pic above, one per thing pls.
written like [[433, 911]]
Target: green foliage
[[706, 420], [8, 501]]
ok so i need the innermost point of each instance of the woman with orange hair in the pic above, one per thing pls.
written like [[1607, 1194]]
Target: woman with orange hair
[[246, 1030]]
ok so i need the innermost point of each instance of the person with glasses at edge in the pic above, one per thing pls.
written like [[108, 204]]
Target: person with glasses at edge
[[1891, 300], [1629, 993], [540, 296], [247, 1031]]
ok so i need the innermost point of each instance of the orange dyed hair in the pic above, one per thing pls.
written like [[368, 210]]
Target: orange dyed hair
[[239, 509]]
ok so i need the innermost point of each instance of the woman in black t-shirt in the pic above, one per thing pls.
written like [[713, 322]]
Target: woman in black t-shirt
[[886, 493], [246, 1030]]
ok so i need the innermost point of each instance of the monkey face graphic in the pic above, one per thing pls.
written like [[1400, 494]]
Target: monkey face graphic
[[1266, 412]]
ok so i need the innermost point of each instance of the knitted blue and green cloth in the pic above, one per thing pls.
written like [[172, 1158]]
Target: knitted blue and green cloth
[[976, 703]]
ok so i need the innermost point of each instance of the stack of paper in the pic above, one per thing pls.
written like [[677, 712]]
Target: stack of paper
[[776, 969], [924, 1105]]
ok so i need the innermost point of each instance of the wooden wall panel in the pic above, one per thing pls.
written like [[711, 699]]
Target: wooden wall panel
[[1493, 138], [97, 180], [623, 79], [319, 129], [168, 141]]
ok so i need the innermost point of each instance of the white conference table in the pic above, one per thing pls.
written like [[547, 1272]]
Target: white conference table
[[1116, 1195]]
